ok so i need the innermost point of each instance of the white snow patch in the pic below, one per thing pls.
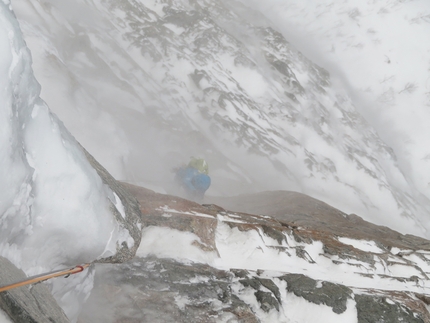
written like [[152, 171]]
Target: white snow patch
[[228, 218], [365, 245], [181, 301], [176, 29], [119, 206], [156, 6], [168, 211], [254, 251], [170, 243], [299, 310], [4, 318]]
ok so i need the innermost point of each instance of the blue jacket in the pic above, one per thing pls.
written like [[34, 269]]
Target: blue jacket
[[193, 181]]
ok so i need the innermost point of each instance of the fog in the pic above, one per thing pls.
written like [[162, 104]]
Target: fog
[[374, 54], [144, 86], [116, 103]]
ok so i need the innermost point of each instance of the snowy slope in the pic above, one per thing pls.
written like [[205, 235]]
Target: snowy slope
[[378, 50], [143, 85], [378, 54]]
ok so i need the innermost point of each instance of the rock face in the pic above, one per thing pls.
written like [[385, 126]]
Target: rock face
[[159, 290], [303, 211], [27, 304], [306, 262], [131, 220]]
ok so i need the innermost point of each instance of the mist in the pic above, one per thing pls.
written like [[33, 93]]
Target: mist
[[131, 121], [373, 55], [262, 91]]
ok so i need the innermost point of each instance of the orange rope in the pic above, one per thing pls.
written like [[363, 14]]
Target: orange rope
[[43, 277]]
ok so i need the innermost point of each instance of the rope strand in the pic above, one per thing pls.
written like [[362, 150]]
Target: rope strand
[[46, 276]]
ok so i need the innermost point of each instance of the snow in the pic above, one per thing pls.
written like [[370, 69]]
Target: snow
[[119, 206], [247, 295], [368, 246], [4, 318], [295, 309], [250, 250], [248, 78], [254, 250], [169, 211], [170, 243], [374, 52], [55, 209], [235, 247], [300, 310], [177, 30]]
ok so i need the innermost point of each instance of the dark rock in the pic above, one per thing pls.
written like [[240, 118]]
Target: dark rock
[[329, 294], [302, 253], [240, 273], [132, 221], [371, 308], [273, 233], [163, 290], [256, 284], [251, 282], [266, 300], [27, 304], [270, 285]]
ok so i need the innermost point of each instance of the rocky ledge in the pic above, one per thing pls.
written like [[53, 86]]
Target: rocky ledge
[[300, 260]]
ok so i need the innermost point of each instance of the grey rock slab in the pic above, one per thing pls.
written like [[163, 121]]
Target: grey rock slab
[[163, 290], [27, 304], [327, 293], [372, 308]]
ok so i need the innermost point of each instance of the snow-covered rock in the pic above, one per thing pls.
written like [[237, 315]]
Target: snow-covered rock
[[299, 260]]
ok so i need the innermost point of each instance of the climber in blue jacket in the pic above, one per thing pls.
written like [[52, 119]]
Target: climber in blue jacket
[[194, 179]]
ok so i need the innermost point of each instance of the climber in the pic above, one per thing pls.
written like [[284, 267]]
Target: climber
[[193, 179]]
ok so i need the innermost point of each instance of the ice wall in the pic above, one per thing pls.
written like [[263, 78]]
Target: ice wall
[[54, 208]]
